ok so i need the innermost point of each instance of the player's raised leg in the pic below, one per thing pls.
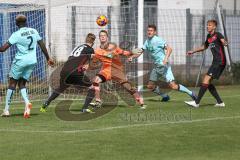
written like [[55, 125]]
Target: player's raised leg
[[179, 87], [54, 94], [133, 91], [182, 88]]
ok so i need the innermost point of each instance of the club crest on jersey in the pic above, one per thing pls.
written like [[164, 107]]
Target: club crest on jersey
[[109, 55]]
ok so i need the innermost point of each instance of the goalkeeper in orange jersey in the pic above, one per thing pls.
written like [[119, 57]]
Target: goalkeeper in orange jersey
[[112, 69]]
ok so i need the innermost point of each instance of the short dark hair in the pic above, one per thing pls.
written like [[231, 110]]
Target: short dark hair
[[103, 31], [152, 26], [21, 20], [90, 38], [212, 21]]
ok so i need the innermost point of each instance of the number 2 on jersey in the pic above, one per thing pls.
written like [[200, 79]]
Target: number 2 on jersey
[[30, 44]]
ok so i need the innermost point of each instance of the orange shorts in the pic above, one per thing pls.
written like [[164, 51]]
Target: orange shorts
[[115, 74]]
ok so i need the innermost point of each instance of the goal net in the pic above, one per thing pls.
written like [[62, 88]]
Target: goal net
[[36, 18]]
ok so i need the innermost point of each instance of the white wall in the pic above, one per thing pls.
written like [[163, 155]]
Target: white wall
[[180, 4], [195, 4]]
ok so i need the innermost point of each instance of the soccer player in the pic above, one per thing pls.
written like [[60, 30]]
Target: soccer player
[[216, 42], [160, 52], [26, 40], [72, 72], [112, 69]]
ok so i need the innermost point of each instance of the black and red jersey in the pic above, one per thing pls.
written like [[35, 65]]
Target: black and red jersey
[[214, 42], [79, 56]]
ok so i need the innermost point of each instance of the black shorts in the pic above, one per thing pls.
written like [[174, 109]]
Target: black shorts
[[75, 78], [81, 80], [215, 71]]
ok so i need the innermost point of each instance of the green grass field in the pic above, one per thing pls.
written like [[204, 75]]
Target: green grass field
[[166, 131]]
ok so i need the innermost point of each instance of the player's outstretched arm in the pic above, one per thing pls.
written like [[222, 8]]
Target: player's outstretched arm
[[5, 47], [135, 54], [200, 49], [45, 52]]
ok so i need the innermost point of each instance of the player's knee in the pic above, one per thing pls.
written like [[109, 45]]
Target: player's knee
[[21, 85], [206, 79], [12, 87], [174, 86], [150, 87], [95, 87], [98, 79], [95, 84], [132, 90]]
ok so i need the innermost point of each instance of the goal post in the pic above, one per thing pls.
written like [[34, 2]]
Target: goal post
[[223, 30], [140, 43]]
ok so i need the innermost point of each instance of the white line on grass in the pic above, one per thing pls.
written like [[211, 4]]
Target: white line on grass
[[119, 127]]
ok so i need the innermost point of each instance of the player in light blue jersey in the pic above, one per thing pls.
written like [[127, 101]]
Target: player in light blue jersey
[[26, 40], [160, 52]]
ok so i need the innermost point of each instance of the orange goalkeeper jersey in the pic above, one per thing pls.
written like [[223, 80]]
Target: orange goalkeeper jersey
[[110, 60]]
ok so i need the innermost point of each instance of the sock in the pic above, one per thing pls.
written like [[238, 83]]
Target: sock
[[97, 93], [24, 95], [53, 96], [89, 98], [158, 92], [202, 91], [138, 98], [182, 88], [10, 93], [214, 93]]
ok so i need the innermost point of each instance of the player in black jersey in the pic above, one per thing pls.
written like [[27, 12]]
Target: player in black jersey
[[72, 72], [216, 42]]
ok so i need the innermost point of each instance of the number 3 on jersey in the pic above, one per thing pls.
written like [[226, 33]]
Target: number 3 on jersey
[[77, 51]]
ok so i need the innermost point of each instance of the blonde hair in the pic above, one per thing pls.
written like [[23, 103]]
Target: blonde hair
[[90, 38]]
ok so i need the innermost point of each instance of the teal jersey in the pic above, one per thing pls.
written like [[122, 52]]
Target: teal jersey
[[156, 47], [26, 41]]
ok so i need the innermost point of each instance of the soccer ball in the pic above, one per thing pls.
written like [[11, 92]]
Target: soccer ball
[[102, 20]]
